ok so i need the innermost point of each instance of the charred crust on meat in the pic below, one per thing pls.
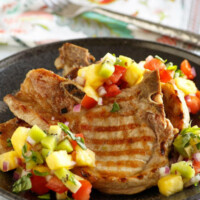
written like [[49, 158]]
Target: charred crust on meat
[[72, 74], [140, 176], [64, 110], [162, 148], [123, 180], [73, 90], [85, 174], [0, 132]]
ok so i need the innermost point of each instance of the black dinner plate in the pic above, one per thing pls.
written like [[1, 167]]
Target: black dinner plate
[[14, 69]]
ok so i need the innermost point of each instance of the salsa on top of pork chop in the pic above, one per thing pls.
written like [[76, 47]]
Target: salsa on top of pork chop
[[124, 110]]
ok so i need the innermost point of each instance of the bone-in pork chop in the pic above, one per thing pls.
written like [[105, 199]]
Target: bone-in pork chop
[[130, 145], [40, 100]]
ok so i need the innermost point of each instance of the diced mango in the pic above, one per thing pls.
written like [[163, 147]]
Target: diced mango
[[185, 85], [59, 159], [170, 184], [93, 80], [9, 159], [85, 157], [41, 168], [91, 92], [18, 139], [30, 164], [133, 74]]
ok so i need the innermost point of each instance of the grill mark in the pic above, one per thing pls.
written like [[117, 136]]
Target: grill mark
[[105, 114], [143, 152], [120, 141], [121, 163], [86, 127]]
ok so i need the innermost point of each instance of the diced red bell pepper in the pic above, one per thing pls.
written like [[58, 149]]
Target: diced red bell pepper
[[165, 75], [84, 192], [74, 143], [193, 103], [56, 185], [117, 74], [187, 69], [88, 102], [154, 64], [196, 166], [112, 90], [39, 185], [122, 84]]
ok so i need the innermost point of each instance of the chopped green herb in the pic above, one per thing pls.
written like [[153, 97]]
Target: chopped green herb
[[115, 107], [24, 183], [169, 64], [9, 143], [37, 173], [198, 146], [173, 67], [79, 141], [178, 73], [45, 196], [159, 58], [196, 184]]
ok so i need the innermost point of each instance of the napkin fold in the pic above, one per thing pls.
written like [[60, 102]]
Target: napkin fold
[[30, 22]]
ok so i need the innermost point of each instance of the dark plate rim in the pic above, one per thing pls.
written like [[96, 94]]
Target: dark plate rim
[[21, 53], [11, 58]]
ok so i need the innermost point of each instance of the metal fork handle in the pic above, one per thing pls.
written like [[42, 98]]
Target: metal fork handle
[[185, 36]]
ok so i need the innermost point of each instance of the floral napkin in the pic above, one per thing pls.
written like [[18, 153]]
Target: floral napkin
[[30, 22]]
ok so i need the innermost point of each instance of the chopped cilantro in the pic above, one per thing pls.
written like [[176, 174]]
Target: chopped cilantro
[[37, 173], [115, 107], [9, 143], [45, 196], [159, 58], [24, 183], [79, 141]]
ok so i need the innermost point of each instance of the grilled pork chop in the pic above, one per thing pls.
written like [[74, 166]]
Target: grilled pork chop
[[71, 58], [130, 145]]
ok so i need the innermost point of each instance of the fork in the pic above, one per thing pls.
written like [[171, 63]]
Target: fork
[[68, 9]]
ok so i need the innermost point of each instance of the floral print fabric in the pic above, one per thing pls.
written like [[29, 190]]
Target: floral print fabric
[[30, 22]]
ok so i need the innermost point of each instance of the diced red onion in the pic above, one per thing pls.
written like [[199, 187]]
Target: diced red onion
[[148, 58], [100, 101], [66, 123], [19, 161], [164, 171], [48, 177], [80, 80], [187, 98], [194, 73], [31, 141], [101, 91], [16, 175], [5, 166], [196, 157], [77, 108]]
